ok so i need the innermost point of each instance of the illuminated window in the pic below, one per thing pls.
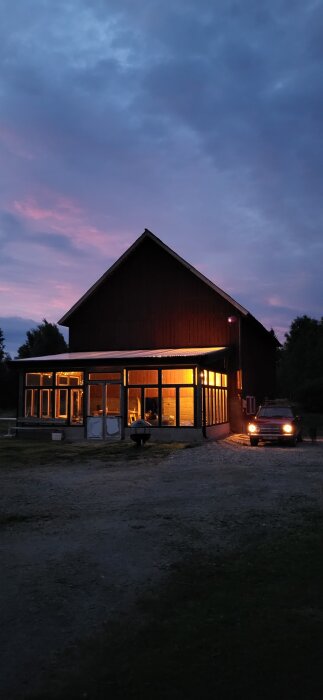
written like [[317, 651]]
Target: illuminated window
[[95, 400], [31, 403], [151, 406], [218, 379], [105, 376], [221, 406], [169, 406], [143, 376], [69, 378], [177, 376], [113, 399], [68, 401], [76, 406], [61, 403], [46, 403], [239, 380], [214, 398], [134, 404], [186, 406], [39, 378], [162, 397]]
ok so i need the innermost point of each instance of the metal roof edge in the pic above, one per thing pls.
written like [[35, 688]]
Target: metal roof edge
[[151, 353]]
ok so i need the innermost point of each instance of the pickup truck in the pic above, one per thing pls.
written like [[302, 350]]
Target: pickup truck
[[275, 423]]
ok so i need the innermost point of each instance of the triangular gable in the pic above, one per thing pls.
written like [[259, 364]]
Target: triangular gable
[[148, 234]]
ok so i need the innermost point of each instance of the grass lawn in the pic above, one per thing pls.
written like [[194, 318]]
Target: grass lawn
[[247, 625], [26, 452]]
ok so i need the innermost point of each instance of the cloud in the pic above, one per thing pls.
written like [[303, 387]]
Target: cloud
[[200, 121]]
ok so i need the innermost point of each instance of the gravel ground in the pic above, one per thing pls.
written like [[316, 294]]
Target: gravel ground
[[81, 543]]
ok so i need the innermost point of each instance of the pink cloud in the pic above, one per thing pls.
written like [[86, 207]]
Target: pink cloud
[[69, 219]]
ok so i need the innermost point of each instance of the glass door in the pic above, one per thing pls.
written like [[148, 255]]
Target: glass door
[[113, 410], [95, 412], [104, 411]]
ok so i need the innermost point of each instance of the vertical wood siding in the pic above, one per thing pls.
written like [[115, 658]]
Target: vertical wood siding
[[150, 301]]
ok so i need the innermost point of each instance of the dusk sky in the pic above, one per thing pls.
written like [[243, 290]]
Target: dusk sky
[[201, 121]]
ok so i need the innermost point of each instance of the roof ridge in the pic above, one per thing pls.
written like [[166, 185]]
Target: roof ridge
[[149, 234]]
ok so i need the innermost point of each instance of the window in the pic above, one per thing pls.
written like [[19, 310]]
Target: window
[[186, 406], [95, 400], [31, 403], [169, 406], [215, 401], [113, 406], [134, 404], [69, 378], [105, 376], [50, 396], [143, 376], [39, 379], [76, 406], [177, 376], [164, 397], [61, 403], [151, 405], [46, 403]]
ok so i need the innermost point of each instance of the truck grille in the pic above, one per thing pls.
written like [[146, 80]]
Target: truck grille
[[270, 428]]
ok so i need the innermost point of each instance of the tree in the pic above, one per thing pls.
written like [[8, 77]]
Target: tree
[[300, 368], [8, 391], [2, 346], [46, 339]]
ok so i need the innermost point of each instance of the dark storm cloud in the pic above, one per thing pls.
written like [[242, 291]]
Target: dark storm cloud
[[201, 121]]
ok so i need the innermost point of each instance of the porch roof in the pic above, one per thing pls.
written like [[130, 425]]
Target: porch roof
[[156, 353]]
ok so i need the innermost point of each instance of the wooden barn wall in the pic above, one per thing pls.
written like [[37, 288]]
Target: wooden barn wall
[[258, 360], [150, 301]]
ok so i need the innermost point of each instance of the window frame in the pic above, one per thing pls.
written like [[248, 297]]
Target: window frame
[[159, 387], [53, 388]]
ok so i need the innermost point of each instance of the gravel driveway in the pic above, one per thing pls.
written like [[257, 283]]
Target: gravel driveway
[[81, 543]]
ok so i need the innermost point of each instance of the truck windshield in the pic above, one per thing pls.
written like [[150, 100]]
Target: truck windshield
[[275, 412]]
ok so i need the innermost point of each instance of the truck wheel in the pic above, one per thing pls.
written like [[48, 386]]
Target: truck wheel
[[254, 442], [293, 442]]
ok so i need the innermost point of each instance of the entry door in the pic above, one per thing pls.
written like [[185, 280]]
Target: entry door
[[104, 411]]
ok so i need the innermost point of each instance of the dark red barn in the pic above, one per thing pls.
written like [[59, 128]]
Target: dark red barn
[[153, 339]]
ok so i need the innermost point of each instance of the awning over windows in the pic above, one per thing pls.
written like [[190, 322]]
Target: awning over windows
[[158, 353]]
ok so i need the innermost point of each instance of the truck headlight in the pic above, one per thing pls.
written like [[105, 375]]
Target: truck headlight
[[252, 428], [287, 428]]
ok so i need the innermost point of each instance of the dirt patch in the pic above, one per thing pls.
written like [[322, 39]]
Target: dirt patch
[[81, 543]]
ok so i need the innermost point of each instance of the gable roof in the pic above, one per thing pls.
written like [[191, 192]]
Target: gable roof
[[148, 234]]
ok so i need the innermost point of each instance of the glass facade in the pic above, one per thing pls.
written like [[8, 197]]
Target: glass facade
[[166, 402], [215, 398], [62, 400], [165, 397]]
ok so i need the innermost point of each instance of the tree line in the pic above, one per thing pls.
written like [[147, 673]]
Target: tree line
[[45, 339], [300, 364], [299, 361]]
